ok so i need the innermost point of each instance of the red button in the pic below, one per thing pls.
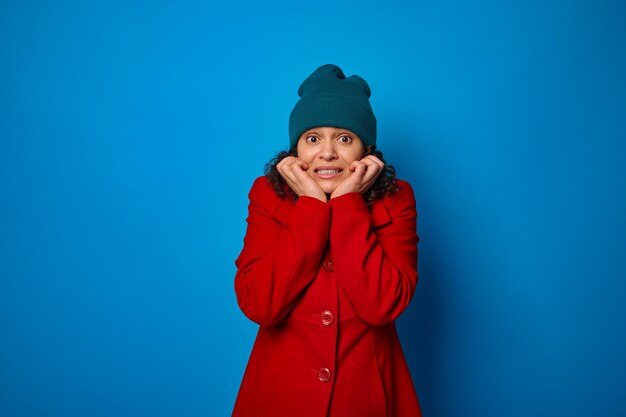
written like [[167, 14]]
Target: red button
[[327, 317], [328, 264], [324, 375]]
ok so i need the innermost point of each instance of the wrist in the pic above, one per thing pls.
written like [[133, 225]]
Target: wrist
[[339, 193], [349, 201], [321, 197]]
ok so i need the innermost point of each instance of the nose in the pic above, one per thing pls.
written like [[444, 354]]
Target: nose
[[328, 151]]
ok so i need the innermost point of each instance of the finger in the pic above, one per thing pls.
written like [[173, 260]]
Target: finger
[[283, 162], [353, 166], [298, 172], [280, 166], [371, 174], [287, 176], [292, 171], [375, 160], [286, 169], [359, 169], [372, 169], [369, 163], [301, 164], [291, 161], [305, 184]]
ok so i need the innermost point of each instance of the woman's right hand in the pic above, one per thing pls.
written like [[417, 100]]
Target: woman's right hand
[[294, 171]]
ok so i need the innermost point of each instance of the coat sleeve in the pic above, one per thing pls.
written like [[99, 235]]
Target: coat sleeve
[[278, 260], [376, 269]]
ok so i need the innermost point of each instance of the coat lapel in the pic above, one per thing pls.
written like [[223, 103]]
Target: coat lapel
[[282, 211], [379, 213]]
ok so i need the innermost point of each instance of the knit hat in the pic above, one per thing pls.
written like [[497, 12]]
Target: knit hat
[[328, 98]]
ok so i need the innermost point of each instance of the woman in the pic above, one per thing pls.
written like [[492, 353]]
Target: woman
[[329, 262]]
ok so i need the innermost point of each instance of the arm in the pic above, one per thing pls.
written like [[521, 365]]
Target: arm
[[377, 270], [278, 260]]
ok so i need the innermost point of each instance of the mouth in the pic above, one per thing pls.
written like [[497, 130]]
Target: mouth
[[327, 172]]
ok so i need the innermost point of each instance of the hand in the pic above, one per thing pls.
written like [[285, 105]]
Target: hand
[[294, 171], [363, 175]]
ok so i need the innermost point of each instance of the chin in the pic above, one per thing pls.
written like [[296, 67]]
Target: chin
[[328, 188]]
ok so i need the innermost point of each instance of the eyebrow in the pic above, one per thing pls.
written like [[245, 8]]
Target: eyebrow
[[341, 132]]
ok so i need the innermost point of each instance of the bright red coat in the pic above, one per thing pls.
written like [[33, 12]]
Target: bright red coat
[[326, 282]]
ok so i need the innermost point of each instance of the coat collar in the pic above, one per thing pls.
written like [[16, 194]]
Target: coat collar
[[379, 213]]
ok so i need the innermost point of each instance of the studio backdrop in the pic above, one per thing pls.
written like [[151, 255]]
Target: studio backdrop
[[131, 132]]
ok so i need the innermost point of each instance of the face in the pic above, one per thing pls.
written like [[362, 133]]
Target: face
[[329, 151]]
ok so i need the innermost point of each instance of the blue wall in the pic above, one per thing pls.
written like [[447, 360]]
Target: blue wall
[[132, 131]]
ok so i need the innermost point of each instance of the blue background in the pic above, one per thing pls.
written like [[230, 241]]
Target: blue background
[[132, 131]]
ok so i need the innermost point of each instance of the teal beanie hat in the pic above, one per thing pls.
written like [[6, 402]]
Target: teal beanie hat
[[328, 98]]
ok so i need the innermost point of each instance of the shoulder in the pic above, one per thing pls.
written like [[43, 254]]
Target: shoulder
[[402, 202], [260, 184], [404, 194], [405, 187], [262, 193]]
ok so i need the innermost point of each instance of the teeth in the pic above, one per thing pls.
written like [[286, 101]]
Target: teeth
[[327, 171]]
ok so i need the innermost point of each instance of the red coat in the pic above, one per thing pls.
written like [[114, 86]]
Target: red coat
[[326, 282]]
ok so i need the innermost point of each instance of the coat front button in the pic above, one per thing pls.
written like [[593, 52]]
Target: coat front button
[[328, 264], [327, 317], [324, 375]]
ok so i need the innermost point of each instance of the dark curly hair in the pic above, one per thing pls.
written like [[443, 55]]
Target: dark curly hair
[[385, 184]]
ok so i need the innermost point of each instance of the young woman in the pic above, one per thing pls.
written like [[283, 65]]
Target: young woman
[[328, 264]]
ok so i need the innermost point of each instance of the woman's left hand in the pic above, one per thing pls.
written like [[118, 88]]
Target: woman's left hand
[[363, 175]]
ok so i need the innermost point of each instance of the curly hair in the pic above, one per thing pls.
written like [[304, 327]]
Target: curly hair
[[384, 185]]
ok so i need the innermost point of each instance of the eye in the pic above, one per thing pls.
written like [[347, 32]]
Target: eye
[[345, 139], [312, 139]]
